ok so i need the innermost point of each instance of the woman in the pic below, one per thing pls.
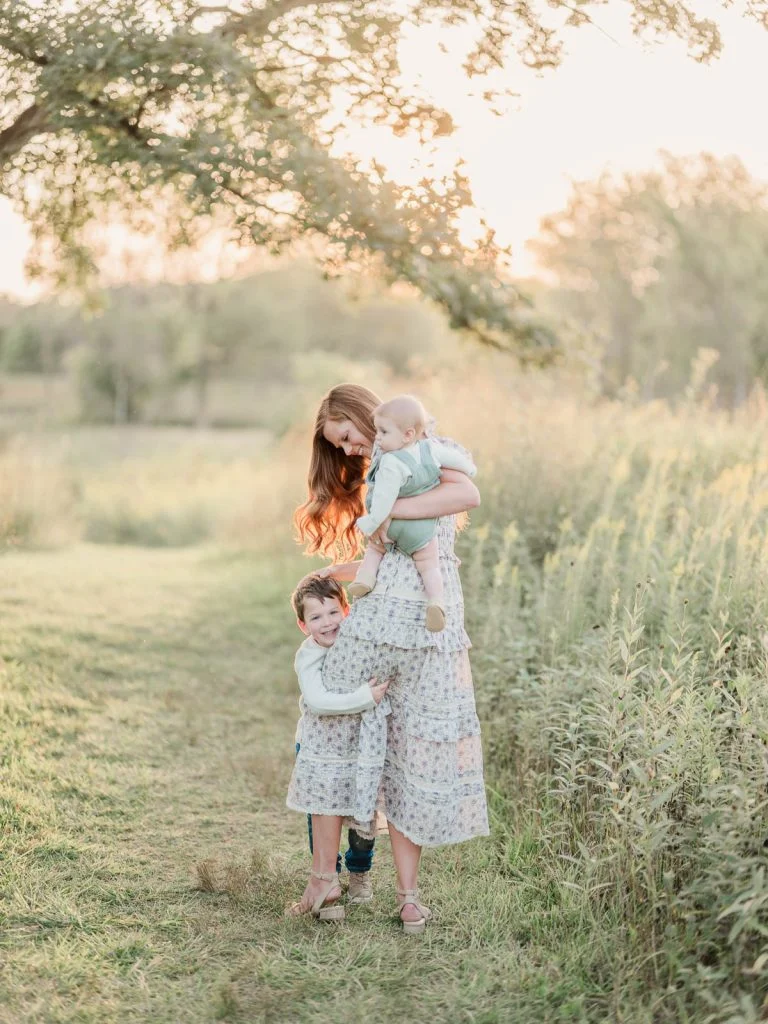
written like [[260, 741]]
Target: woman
[[430, 787]]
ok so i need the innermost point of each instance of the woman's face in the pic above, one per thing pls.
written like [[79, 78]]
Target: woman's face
[[344, 434]]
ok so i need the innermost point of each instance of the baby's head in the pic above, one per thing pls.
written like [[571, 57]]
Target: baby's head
[[320, 604], [399, 422]]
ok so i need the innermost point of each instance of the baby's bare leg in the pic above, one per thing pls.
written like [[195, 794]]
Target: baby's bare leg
[[365, 580], [427, 561]]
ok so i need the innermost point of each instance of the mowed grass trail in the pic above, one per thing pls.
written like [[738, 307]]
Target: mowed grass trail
[[143, 711], [148, 707]]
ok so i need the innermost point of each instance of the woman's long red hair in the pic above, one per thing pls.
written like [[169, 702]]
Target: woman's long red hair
[[325, 523]]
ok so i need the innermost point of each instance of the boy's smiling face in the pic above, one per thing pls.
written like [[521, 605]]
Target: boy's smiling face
[[322, 618]]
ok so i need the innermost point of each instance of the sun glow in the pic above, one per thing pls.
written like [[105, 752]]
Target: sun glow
[[615, 101]]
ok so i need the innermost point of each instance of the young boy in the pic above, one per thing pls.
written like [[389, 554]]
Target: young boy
[[320, 604]]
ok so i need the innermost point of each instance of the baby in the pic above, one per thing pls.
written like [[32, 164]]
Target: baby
[[409, 463]]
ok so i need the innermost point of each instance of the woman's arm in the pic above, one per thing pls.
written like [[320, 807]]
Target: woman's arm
[[455, 493], [344, 572]]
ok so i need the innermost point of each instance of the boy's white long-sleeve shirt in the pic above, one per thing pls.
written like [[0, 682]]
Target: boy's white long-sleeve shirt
[[393, 473], [309, 671]]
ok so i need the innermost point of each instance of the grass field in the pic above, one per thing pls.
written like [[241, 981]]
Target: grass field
[[149, 710], [616, 578]]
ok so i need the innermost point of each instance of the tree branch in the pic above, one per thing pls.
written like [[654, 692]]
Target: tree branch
[[29, 123], [9, 44], [200, 11], [257, 22], [34, 119]]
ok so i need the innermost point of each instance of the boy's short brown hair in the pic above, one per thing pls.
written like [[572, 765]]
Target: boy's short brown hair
[[321, 587]]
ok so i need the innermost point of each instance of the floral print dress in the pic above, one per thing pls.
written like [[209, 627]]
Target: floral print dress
[[417, 757]]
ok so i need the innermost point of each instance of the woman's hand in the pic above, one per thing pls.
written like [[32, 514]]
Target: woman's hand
[[344, 572], [322, 573], [378, 689]]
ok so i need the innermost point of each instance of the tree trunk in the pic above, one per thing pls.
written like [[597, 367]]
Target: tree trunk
[[201, 389], [122, 409], [48, 372]]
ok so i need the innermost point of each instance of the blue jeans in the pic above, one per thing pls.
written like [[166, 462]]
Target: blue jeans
[[359, 855]]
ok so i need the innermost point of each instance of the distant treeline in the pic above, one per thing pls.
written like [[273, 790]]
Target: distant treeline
[[643, 271], [276, 329]]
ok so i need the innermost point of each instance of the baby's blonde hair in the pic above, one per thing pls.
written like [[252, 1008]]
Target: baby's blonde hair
[[406, 411]]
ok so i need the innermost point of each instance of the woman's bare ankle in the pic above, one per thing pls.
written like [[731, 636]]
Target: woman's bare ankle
[[410, 913], [316, 885]]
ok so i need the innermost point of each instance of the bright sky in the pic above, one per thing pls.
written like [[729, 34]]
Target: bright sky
[[613, 102]]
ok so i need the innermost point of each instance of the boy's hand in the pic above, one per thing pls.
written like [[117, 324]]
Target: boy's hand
[[378, 689]]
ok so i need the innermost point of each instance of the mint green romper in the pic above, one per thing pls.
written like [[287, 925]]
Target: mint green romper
[[410, 535]]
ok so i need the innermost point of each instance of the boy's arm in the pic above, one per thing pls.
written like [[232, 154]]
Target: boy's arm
[[391, 476], [452, 458], [309, 670]]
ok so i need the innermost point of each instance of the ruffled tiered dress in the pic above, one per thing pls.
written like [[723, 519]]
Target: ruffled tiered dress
[[417, 758]]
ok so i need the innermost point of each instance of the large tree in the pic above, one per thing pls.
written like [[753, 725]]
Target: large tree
[[114, 104]]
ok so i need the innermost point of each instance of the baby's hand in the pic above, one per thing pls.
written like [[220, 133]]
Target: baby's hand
[[366, 525], [378, 689], [381, 535]]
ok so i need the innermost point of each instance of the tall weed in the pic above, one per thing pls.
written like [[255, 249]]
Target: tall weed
[[622, 669]]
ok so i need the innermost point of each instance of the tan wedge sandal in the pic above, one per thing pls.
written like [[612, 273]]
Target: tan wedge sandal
[[410, 897], [320, 909]]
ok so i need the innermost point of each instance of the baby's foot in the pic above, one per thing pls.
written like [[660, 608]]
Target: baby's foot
[[435, 617], [359, 588]]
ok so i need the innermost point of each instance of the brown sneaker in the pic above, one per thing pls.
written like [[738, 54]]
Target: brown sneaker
[[360, 887]]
